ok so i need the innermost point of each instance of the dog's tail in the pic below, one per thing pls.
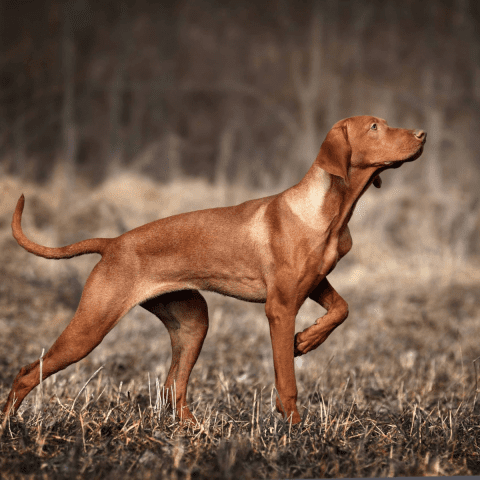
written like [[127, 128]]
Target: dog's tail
[[92, 245]]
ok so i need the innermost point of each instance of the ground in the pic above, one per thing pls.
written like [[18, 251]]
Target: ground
[[392, 392]]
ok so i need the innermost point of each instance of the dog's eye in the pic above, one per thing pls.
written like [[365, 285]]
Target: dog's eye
[[373, 127]]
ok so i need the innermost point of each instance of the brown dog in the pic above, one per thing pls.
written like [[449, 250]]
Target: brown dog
[[276, 250]]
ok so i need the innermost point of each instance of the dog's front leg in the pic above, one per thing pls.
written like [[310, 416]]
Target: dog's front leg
[[337, 311], [281, 315]]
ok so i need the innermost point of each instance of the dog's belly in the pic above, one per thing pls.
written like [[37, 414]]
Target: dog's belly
[[248, 290], [241, 283], [245, 289]]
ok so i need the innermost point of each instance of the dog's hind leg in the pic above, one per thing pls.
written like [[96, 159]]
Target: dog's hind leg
[[102, 305], [185, 315]]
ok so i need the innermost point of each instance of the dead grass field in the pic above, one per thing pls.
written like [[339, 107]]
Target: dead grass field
[[393, 392]]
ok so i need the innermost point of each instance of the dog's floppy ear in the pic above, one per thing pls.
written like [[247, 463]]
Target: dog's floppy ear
[[335, 152]]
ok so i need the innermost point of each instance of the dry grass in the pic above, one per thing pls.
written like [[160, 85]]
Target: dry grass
[[393, 392]]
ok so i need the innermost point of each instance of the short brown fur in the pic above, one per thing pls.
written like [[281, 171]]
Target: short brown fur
[[277, 250]]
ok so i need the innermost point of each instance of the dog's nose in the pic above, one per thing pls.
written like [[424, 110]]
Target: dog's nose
[[420, 134]]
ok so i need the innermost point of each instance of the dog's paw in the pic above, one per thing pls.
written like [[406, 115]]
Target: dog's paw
[[310, 339]]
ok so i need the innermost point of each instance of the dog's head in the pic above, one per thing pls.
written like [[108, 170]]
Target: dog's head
[[367, 142]]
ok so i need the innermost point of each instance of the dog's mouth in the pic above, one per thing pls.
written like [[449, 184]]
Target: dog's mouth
[[415, 155], [377, 181]]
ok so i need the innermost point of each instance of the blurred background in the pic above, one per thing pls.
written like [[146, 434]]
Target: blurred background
[[116, 113]]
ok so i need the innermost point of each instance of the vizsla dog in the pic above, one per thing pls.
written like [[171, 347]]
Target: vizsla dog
[[276, 250]]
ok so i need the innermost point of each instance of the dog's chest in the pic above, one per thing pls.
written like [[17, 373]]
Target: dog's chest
[[330, 259]]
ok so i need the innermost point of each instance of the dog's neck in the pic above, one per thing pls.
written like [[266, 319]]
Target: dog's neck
[[322, 199]]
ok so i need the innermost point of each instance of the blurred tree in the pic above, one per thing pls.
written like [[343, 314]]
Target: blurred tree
[[103, 82], [116, 92], [69, 124]]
